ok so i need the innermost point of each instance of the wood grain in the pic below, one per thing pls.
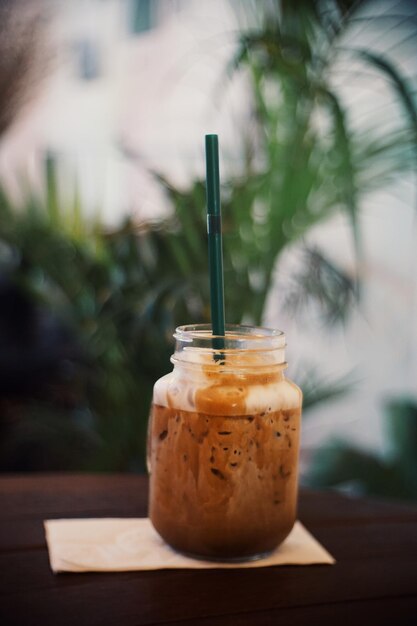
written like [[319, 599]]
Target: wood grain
[[375, 578]]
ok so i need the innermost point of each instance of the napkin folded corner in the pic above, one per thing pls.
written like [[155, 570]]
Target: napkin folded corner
[[128, 544]]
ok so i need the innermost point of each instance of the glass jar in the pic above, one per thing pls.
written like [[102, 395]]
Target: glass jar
[[223, 444]]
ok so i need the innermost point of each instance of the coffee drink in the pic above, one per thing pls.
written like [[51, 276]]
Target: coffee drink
[[223, 451]]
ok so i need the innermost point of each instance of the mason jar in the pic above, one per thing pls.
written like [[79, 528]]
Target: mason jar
[[223, 444]]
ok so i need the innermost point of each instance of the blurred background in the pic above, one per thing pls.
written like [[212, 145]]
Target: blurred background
[[103, 109]]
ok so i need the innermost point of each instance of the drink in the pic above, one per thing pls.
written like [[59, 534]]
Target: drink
[[223, 448]]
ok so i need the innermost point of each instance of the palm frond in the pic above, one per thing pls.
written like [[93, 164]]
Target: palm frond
[[317, 389], [401, 85], [321, 282], [343, 150]]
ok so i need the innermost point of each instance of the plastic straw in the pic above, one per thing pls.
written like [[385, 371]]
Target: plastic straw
[[214, 231]]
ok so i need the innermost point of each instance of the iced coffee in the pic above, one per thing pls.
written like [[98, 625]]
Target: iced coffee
[[223, 445]]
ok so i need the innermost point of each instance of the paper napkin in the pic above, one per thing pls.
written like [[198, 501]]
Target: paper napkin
[[119, 545]]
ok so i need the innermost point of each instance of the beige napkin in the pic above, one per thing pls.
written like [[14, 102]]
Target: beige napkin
[[119, 545]]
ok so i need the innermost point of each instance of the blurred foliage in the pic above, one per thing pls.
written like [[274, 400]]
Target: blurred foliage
[[313, 161], [120, 294], [393, 475]]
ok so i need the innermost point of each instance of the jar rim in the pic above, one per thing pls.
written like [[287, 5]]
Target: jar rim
[[237, 337], [250, 332]]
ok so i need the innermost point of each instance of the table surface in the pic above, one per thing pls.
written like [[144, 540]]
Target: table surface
[[374, 579]]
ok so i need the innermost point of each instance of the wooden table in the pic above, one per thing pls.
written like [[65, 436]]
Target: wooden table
[[373, 582]]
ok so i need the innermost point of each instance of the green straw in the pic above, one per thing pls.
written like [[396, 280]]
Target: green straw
[[214, 231]]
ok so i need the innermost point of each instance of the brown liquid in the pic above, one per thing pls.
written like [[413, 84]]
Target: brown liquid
[[223, 487]]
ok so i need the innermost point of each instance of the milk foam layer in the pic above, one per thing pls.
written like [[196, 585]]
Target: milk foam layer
[[170, 390]]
